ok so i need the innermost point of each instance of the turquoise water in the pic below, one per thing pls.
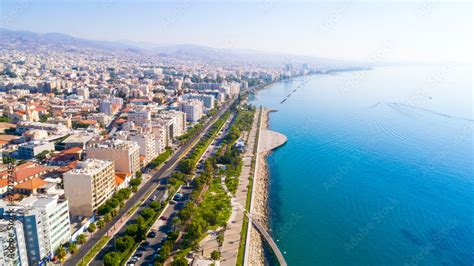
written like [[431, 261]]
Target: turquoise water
[[378, 167]]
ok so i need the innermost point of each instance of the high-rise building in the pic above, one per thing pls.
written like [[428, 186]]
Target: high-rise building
[[174, 123], [193, 109], [125, 154], [89, 185], [207, 100], [45, 221], [139, 117], [18, 255], [147, 144]]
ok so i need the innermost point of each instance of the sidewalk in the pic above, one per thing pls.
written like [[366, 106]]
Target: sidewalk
[[230, 248]]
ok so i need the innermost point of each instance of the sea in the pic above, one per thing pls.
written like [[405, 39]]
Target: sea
[[378, 167]]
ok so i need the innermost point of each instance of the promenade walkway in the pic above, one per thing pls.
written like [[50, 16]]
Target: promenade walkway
[[268, 140], [230, 248]]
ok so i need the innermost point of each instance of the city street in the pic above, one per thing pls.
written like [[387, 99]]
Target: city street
[[150, 186]]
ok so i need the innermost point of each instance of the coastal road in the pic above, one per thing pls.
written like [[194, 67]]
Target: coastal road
[[163, 227], [147, 188]]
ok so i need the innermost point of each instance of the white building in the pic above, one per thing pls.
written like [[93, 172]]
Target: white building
[[193, 109], [147, 143], [8, 256], [46, 225], [31, 149], [139, 117], [125, 154], [174, 123], [89, 185]]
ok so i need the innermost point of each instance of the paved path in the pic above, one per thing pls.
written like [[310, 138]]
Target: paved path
[[267, 140], [270, 140], [230, 248]]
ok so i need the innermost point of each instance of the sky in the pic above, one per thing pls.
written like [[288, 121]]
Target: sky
[[417, 31]]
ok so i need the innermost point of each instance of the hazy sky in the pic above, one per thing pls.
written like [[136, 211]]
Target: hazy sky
[[415, 31]]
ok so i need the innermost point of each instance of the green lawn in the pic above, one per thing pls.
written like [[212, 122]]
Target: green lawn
[[93, 251]]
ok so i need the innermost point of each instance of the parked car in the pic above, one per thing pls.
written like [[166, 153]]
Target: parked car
[[163, 218], [152, 234], [153, 198], [173, 202]]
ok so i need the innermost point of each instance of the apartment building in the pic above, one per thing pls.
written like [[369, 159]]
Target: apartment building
[[125, 154], [89, 185]]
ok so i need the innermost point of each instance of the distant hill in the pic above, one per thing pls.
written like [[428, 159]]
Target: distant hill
[[27, 39]]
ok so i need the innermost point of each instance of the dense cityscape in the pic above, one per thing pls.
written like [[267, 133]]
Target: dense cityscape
[[236, 133], [89, 133]]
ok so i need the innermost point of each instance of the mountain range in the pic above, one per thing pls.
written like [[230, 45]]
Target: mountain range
[[28, 39]]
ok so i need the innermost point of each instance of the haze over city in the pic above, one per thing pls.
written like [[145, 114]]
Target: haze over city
[[236, 133], [418, 31]]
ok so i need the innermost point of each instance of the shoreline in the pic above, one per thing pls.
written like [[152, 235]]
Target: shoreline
[[269, 140]]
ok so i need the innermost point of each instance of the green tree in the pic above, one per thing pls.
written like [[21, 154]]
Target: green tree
[[107, 217], [147, 213], [124, 243], [220, 239], [92, 227], [135, 182], [186, 166], [131, 230], [81, 239], [180, 262], [61, 253], [155, 205], [104, 208], [100, 223], [8, 159], [140, 220], [112, 259], [73, 248], [215, 255], [138, 174]]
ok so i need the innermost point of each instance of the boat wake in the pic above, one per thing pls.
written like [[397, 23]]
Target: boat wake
[[407, 110]]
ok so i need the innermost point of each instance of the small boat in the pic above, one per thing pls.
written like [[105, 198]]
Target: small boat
[[288, 95], [283, 101], [294, 90]]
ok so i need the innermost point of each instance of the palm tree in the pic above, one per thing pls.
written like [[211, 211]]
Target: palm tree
[[61, 253], [72, 248], [81, 239]]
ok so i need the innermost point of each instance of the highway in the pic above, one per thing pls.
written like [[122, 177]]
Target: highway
[[163, 227], [149, 187]]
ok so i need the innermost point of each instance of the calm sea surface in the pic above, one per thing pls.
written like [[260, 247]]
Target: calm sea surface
[[378, 167]]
